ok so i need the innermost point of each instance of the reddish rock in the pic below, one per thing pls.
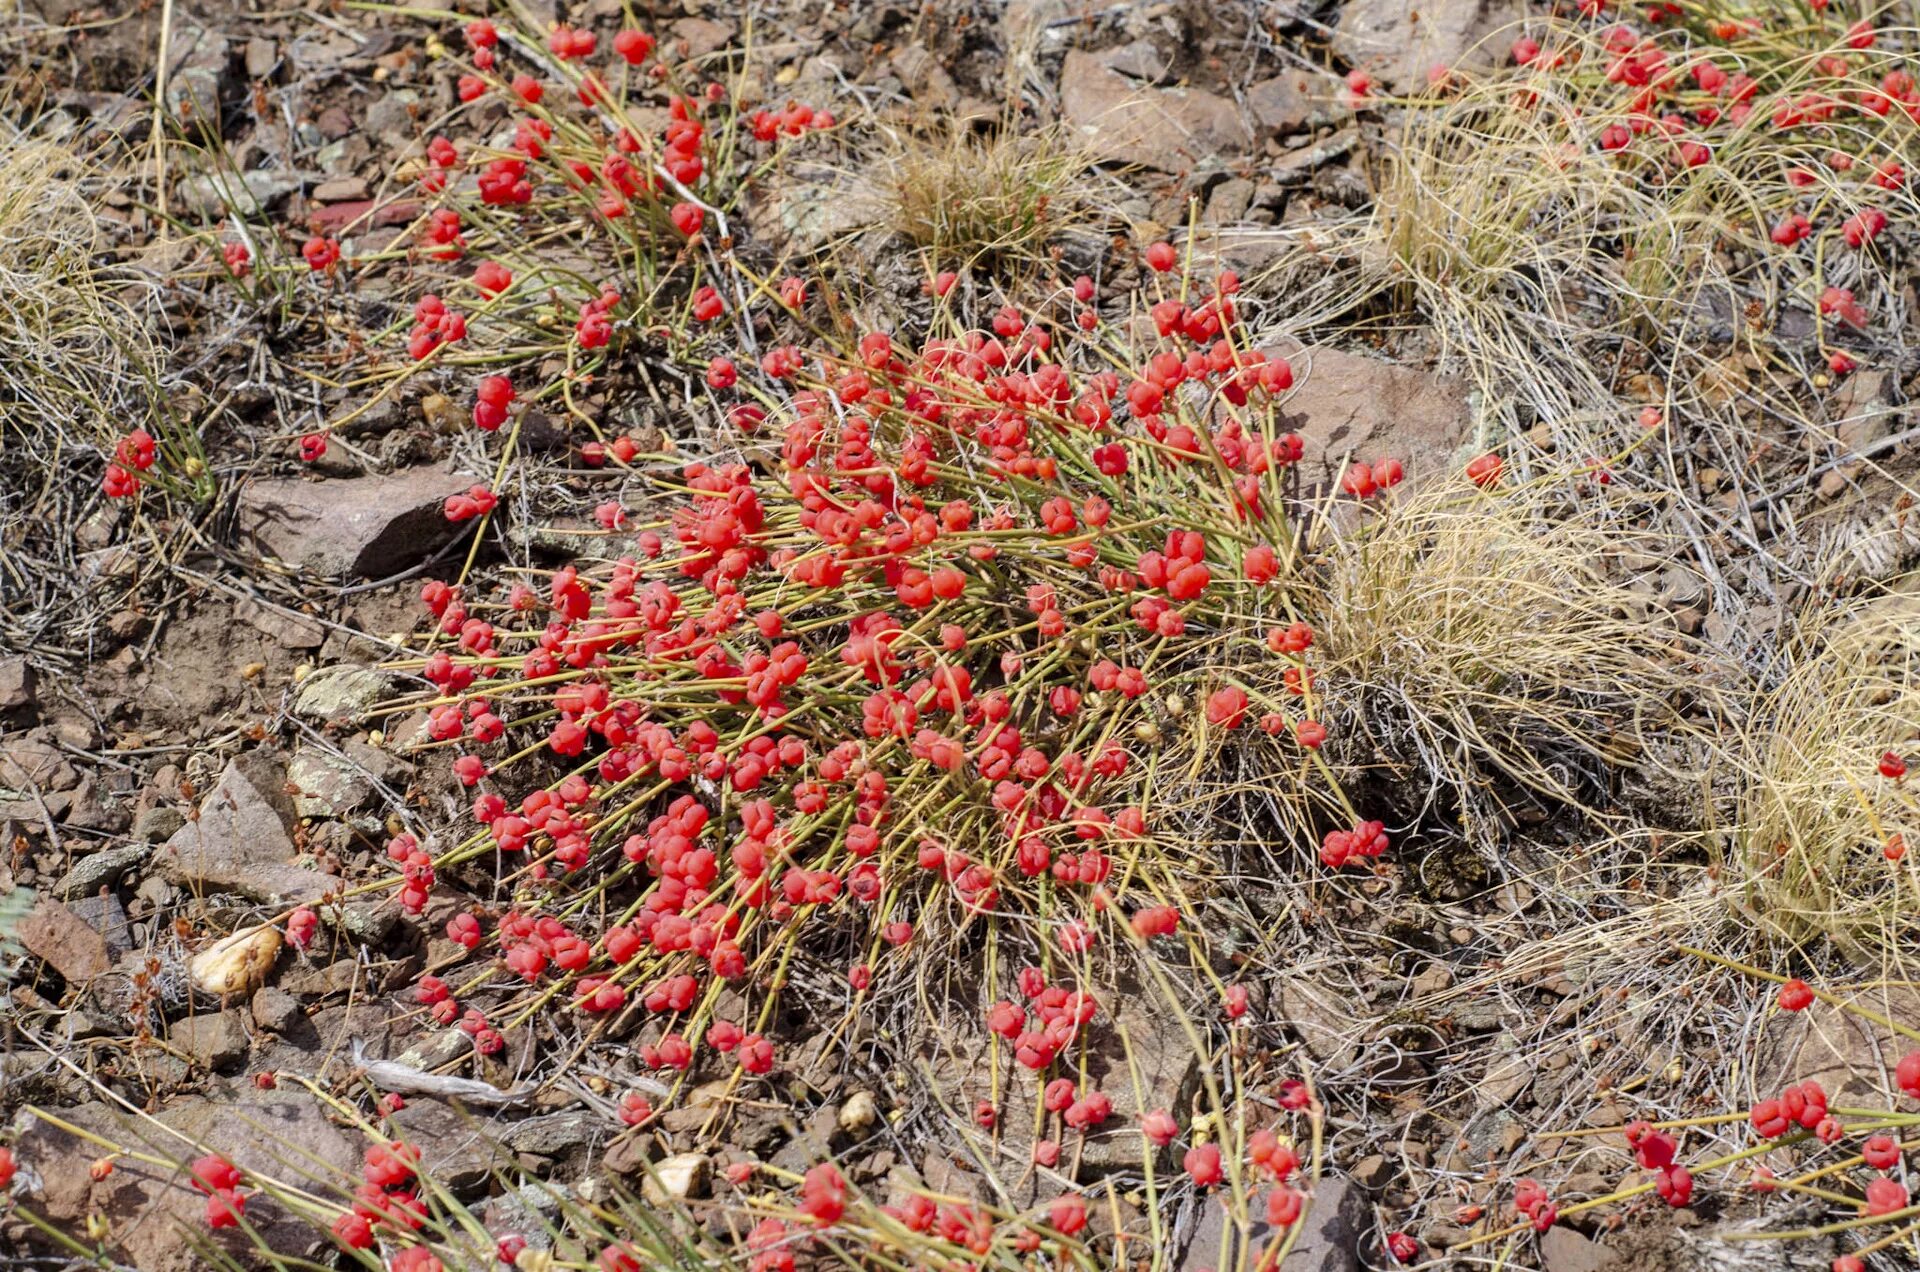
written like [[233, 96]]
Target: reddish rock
[[1344, 405], [333, 218], [1124, 121], [53, 932]]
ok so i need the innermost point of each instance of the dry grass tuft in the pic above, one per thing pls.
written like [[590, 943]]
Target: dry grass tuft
[[1474, 644], [69, 352], [971, 198], [1815, 816]]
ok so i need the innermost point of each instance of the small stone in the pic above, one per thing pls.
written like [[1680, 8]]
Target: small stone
[[702, 36], [677, 1178], [94, 808], [393, 114], [18, 681], [216, 1041], [250, 193], [1372, 1172], [1293, 101], [1507, 1077], [455, 1149], [340, 190], [55, 933], [1229, 201], [275, 1010], [105, 915], [157, 825], [369, 921], [156, 1219], [304, 980], [552, 1134], [262, 57], [1164, 128], [100, 870], [1400, 49], [340, 693], [1322, 1017], [1344, 402], [328, 785], [33, 762], [1564, 1250], [334, 123], [240, 843]]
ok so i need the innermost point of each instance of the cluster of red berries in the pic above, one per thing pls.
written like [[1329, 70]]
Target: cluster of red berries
[[134, 453], [1683, 107], [220, 1180], [387, 1198]]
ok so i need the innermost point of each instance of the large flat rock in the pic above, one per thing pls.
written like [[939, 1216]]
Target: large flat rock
[[371, 526], [1346, 406], [1124, 119]]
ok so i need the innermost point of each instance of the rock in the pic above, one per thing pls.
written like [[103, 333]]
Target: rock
[[1343, 404], [18, 683], [394, 115], [216, 1041], [925, 78], [105, 915], [154, 1216], [334, 123], [1507, 1077], [1294, 101], [340, 190], [455, 1148], [1372, 1172], [1171, 129], [1564, 1250], [1399, 42], [1229, 201], [93, 808], [702, 36], [1853, 1058], [157, 825], [807, 213], [551, 1134], [29, 763], [330, 785], [251, 194], [372, 526], [304, 980], [1323, 1017], [262, 57], [676, 1178], [52, 932], [275, 1010], [1329, 1241], [240, 842], [857, 1115], [340, 693], [200, 67], [100, 870]]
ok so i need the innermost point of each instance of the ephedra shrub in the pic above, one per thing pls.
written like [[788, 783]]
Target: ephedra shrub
[[883, 681]]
